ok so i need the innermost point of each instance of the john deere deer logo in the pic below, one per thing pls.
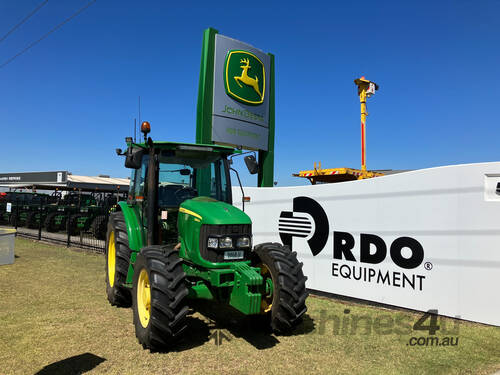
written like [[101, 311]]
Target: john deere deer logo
[[244, 77], [253, 82]]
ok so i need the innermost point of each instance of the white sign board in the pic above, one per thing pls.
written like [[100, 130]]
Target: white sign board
[[8, 207], [426, 239]]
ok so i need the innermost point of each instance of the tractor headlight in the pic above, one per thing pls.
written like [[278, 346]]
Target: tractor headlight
[[226, 243], [213, 243], [243, 242]]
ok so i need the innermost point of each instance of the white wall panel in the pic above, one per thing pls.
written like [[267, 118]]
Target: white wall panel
[[453, 212]]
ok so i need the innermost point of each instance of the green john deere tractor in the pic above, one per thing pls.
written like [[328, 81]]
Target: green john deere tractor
[[178, 237], [24, 206], [99, 224], [67, 208], [31, 213], [89, 210], [37, 214]]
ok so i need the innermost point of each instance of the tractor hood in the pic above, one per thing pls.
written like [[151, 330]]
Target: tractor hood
[[211, 211]]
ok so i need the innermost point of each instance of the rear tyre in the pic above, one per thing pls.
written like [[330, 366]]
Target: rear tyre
[[14, 220], [284, 307], [50, 222], [117, 261], [31, 220], [98, 227], [73, 225], [62, 225], [159, 297]]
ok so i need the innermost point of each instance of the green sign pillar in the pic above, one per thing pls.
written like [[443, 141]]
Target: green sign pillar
[[205, 102], [206, 89], [266, 158], [236, 102]]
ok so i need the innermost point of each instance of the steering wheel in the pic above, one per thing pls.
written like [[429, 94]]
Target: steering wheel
[[186, 192]]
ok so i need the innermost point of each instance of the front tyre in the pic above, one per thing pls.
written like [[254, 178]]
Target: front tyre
[[117, 261], [283, 303], [159, 297]]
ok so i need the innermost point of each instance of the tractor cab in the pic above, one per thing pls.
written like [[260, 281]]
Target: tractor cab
[[167, 175], [78, 200]]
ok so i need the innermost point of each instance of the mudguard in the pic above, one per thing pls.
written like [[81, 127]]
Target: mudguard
[[135, 232]]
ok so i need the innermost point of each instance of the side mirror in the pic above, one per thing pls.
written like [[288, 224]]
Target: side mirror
[[133, 158], [185, 172], [252, 165]]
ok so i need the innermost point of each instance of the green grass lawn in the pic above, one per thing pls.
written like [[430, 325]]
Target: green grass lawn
[[54, 318]]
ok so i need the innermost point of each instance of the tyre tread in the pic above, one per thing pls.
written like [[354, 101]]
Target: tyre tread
[[291, 287], [119, 295], [168, 298]]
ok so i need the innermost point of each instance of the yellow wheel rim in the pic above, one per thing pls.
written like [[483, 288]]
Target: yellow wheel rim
[[267, 300], [144, 298], [111, 259]]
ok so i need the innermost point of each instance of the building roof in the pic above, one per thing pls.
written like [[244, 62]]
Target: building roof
[[63, 180]]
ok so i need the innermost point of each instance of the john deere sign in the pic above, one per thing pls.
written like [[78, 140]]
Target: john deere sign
[[245, 87], [240, 103], [236, 98]]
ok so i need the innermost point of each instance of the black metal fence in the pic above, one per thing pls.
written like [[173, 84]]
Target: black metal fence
[[72, 225]]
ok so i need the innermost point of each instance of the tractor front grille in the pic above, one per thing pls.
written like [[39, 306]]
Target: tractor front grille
[[234, 231]]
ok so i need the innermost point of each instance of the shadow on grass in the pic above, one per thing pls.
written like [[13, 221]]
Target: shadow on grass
[[77, 364], [196, 334], [253, 329]]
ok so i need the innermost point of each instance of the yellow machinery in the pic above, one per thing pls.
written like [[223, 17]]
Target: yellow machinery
[[366, 89], [332, 175]]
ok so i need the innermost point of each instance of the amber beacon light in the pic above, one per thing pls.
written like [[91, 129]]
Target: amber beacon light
[[145, 129]]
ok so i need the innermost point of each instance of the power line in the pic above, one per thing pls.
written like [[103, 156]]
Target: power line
[[48, 33], [23, 20]]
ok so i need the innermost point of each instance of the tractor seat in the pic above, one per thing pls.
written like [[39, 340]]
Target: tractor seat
[[167, 197]]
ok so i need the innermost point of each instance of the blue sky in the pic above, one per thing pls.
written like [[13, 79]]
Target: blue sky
[[68, 102]]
